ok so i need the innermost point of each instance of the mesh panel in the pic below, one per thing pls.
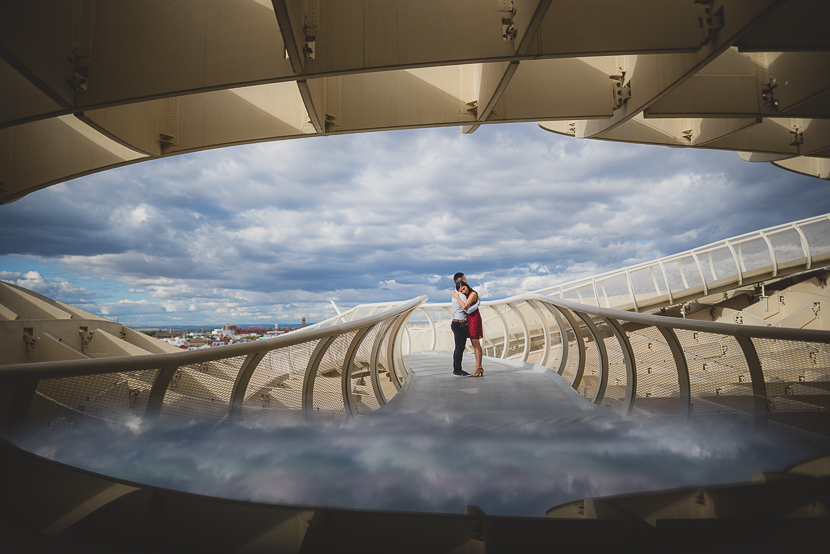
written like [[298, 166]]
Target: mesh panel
[[572, 361], [591, 373], [718, 375], [536, 348], [818, 237], [585, 294], [692, 272], [387, 386], [111, 397], [614, 397], [615, 292], [675, 275], [199, 394], [363, 397], [571, 294], [419, 331], [643, 281], [718, 265], [327, 397], [787, 247], [754, 256], [553, 338], [797, 376], [398, 365], [406, 342], [275, 390], [493, 341], [516, 335], [657, 386]]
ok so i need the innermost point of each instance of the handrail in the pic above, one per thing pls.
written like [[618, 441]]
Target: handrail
[[223, 384], [740, 276], [667, 367], [94, 366], [776, 333]]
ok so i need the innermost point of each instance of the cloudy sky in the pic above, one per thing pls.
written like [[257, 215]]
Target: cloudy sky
[[269, 233]]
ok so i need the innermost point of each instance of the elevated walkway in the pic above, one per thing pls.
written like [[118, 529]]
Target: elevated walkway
[[511, 394]]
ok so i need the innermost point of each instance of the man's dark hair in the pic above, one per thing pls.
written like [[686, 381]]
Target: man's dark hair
[[457, 277]]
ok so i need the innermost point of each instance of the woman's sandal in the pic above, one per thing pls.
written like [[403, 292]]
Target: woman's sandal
[[479, 372]]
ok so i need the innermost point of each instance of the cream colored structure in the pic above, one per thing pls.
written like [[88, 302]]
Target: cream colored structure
[[743, 356], [90, 85], [53, 371]]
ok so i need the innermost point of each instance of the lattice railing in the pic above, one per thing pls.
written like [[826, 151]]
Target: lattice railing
[[724, 265], [326, 374], [766, 378]]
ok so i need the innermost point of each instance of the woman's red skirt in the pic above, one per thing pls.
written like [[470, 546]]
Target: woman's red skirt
[[475, 325]]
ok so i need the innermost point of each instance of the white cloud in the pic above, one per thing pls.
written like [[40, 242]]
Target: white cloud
[[258, 227]]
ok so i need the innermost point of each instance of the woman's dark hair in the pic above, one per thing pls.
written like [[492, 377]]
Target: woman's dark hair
[[458, 285]]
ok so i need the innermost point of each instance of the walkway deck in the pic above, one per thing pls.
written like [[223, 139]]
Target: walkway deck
[[510, 394]]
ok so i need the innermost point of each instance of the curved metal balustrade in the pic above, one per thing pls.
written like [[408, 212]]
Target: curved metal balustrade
[[756, 375], [717, 267], [313, 375], [659, 367]]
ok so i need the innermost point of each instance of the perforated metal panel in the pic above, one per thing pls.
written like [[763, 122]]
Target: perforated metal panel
[[786, 245], [327, 396], [536, 332], [613, 397], [398, 365], [493, 342], [571, 366], [199, 394], [648, 284], [591, 373], [721, 385], [719, 265], [274, 395], [614, 291], [107, 397], [754, 256], [658, 391], [384, 367], [797, 376], [818, 237], [516, 335], [363, 399]]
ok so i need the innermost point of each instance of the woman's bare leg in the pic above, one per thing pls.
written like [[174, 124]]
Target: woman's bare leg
[[478, 354]]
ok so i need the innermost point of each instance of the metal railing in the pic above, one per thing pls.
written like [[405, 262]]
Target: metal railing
[[721, 266], [717, 267], [674, 369], [321, 375]]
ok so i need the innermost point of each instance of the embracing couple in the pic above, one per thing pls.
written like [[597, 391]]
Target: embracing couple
[[466, 324]]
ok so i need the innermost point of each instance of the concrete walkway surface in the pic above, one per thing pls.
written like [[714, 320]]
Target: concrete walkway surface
[[509, 394]]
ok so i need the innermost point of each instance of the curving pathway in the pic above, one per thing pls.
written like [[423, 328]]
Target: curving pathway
[[511, 394]]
